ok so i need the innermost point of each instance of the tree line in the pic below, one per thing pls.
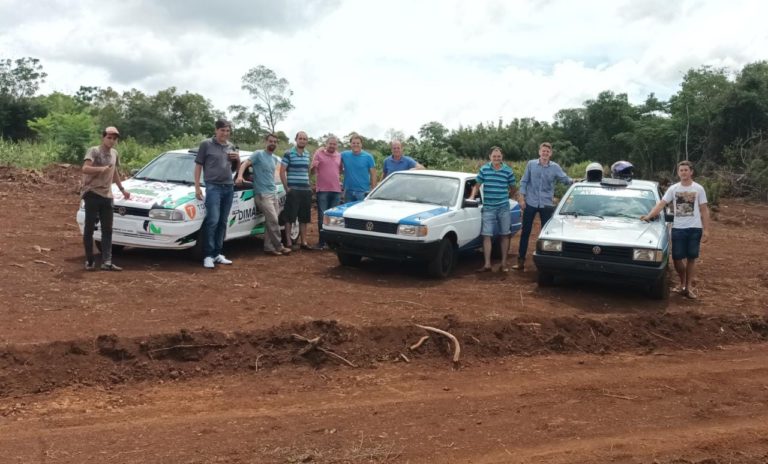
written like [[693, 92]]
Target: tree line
[[718, 119]]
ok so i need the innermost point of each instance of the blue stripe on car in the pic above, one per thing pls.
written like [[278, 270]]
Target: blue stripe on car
[[339, 210], [415, 219]]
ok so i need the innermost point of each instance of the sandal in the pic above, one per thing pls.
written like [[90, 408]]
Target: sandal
[[286, 250], [484, 269], [692, 293], [305, 246], [274, 253], [503, 269], [680, 290]]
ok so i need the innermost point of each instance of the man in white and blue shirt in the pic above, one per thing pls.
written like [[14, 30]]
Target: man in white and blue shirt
[[498, 181], [537, 192]]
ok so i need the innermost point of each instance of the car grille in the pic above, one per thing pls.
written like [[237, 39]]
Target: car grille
[[370, 226], [612, 254], [128, 211]]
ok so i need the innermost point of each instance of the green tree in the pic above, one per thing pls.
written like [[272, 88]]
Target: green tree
[[271, 93], [71, 131], [21, 78]]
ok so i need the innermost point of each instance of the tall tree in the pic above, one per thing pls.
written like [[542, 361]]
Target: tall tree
[[272, 95]]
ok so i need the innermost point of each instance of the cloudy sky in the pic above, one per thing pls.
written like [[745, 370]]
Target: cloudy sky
[[370, 66]]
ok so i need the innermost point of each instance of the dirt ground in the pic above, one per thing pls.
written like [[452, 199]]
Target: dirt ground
[[167, 362]]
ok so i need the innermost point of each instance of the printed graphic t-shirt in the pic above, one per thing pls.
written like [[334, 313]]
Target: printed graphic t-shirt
[[686, 201]]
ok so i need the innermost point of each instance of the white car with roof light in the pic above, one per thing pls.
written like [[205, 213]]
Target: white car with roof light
[[163, 212], [596, 233], [422, 215]]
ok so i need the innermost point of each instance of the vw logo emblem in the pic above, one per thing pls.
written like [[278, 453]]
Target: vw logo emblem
[[369, 226], [121, 211], [596, 250]]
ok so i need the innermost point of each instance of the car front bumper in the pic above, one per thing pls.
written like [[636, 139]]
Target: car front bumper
[[379, 247], [597, 270]]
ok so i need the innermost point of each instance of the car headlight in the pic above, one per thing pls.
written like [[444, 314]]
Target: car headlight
[[166, 214], [336, 221], [551, 245], [647, 254], [412, 230]]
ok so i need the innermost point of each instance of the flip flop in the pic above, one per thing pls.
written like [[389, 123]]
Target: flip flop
[[692, 293], [305, 246], [484, 269], [680, 289], [504, 270]]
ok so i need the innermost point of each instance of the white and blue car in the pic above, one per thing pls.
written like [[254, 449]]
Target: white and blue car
[[163, 212], [421, 215]]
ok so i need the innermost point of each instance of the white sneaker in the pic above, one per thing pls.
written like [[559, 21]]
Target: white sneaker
[[208, 263], [221, 259]]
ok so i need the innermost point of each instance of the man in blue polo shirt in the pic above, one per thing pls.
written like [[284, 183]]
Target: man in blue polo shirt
[[399, 162], [498, 181], [537, 192], [359, 171], [294, 173]]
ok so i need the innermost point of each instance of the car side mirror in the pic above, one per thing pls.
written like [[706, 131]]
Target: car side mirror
[[134, 171], [470, 203]]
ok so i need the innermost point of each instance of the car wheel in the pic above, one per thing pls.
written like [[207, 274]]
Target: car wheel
[[294, 232], [347, 259], [660, 288], [545, 279], [115, 248], [196, 252], [442, 264]]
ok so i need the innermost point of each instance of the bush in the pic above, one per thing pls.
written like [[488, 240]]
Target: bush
[[72, 132], [28, 155]]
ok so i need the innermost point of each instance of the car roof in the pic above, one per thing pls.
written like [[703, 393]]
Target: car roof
[[436, 172], [635, 184]]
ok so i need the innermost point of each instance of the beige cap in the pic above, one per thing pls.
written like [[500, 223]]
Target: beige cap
[[111, 130]]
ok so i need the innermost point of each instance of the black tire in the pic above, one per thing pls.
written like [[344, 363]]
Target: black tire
[[196, 252], [545, 279], [442, 264], [659, 289], [347, 259], [115, 248]]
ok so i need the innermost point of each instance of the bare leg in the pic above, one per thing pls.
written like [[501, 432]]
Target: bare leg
[[504, 250], [303, 233], [288, 227], [689, 273], [681, 272], [487, 251]]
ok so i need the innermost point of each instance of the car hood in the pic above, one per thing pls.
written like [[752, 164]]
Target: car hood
[[148, 194], [393, 211], [611, 231]]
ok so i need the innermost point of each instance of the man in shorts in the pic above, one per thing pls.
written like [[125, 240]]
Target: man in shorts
[[498, 182], [294, 173], [690, 227]]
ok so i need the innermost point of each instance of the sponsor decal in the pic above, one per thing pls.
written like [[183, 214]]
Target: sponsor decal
[[232, 221], [247, 195], [138, 198], [191, 211], [140, 191], [151, 228], [245, 215], [181, 200]]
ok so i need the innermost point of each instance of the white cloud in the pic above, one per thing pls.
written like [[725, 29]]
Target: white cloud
[[370, 66]]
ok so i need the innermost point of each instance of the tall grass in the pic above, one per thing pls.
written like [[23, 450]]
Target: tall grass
[[29, 155]]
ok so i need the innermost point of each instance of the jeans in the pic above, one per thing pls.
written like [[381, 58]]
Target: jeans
[[218, 203], [325, 201], [98, 209], [529, 214], [269, 206], [354, 195]]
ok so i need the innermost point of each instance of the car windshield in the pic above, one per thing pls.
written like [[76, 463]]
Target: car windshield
[[170, 167], [608, 202], [436, 190]]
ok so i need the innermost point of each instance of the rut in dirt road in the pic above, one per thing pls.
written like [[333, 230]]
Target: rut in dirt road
[[111, 359]]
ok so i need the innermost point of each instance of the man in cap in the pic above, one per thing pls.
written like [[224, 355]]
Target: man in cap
[[217, 158], [99, 172]]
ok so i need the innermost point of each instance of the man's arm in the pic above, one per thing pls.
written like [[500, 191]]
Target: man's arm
[[475, 190], [655, 211], [198, 190], [373, 177], [704, 211], [562, 177], [523, 186], [240, 172], [284, 176], [116, 180], [89, 168]]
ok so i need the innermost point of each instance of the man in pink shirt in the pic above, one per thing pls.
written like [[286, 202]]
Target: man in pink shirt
[[326, 163]]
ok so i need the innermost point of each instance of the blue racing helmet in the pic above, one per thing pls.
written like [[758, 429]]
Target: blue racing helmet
[[622, 170]]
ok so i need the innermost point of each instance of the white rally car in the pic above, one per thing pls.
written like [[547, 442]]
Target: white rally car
[[164, 213], [421, 215]]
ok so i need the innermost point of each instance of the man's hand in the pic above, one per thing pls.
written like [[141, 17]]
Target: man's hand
[[199, 193], [521, 202], [239, 180], [234, 156], [126, 194], [705, 236], [106, 168], [645, 218]]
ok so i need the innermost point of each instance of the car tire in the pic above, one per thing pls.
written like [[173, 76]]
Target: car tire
[[545, 279], [347, 259], [196, 252], [442, 264], [659, 289], [115, 248], [294, 232]]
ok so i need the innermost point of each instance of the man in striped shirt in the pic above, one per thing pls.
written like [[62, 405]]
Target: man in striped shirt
[[294, 173], [498, 181]]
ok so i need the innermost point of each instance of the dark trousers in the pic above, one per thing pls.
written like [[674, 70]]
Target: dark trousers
[[529, 214], [98, 209]]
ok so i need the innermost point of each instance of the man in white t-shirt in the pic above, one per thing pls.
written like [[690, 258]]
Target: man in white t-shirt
[[691, 225]]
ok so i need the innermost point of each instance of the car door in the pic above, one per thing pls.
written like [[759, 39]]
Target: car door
[[468, 219]]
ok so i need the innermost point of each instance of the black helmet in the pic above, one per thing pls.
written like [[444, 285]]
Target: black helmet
[[594, 172], [622, 170]]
